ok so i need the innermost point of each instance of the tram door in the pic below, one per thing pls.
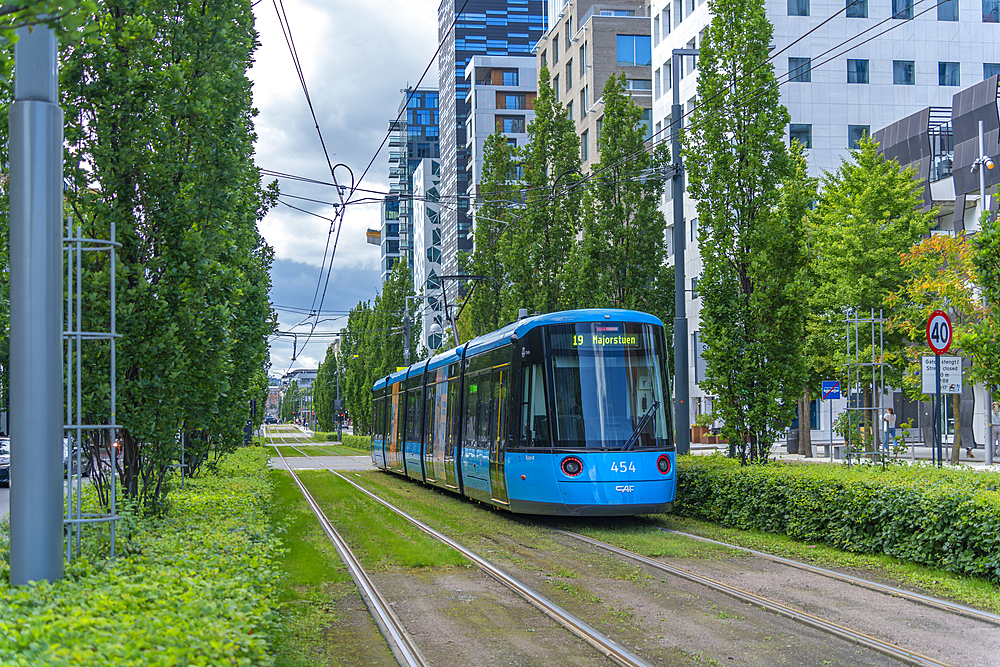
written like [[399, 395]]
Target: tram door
[[451, 435], [498, 420]]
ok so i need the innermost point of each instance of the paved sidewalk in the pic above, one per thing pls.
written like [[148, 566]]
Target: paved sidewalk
[[321, 462], [919, 454]]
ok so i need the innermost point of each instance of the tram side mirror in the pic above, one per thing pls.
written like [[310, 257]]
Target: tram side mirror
[[541, 428]]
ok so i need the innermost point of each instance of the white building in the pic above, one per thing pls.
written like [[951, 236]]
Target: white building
[[838, 89], [502, 91], [427, 249]]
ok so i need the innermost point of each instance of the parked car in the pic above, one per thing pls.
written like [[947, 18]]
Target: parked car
[[270, 419], [68, 456], [4, 461]]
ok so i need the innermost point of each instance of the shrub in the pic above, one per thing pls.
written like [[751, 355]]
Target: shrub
[[947, 518], [197, 591], [361, 442]]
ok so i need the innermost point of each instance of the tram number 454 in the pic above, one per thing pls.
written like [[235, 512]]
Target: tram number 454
[[623, 466]]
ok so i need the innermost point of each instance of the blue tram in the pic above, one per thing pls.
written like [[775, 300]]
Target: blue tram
[[565, 413]]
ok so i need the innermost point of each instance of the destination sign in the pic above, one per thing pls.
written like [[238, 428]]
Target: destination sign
[[595, 340]]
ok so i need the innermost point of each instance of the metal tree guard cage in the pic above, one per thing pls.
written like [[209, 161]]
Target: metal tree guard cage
[[857, 379], [74, 518]]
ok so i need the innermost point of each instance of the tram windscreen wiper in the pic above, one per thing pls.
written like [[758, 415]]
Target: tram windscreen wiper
[[641, 425]]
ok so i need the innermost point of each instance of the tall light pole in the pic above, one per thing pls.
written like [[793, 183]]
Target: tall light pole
[[982, 163], [682, 392], [36, 289]]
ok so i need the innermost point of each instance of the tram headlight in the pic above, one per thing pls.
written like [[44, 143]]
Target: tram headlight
[[663, 464], [572, 466]]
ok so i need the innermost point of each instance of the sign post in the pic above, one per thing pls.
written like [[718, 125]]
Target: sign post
[[831, 392], [939, 338]]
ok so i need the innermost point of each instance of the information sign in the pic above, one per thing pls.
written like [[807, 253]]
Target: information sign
[[939, 332], [951, 375], [831, 390]]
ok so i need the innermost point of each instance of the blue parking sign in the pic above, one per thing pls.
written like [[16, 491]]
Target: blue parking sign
[[831, 389]]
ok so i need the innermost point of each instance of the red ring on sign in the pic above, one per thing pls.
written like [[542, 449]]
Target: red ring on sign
[[930, 342]]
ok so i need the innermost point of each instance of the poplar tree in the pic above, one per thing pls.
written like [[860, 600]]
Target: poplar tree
[[751, 315], [493, 215], [540, 238]]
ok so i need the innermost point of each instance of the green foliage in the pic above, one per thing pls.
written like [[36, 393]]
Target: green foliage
[[492, 216], [619, 263], [868, 214], [751, 201], [983, 341], [159, 135], [325, 391], [373, 344], [196, 590], [947, 518], [539, 242], [289, 407], [359, 442], [72, 21]]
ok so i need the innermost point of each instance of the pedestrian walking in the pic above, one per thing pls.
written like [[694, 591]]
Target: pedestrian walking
[[995, 430], [890, 427]]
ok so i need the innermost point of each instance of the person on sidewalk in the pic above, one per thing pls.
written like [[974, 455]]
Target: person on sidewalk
[[890, 428], [995, 430]]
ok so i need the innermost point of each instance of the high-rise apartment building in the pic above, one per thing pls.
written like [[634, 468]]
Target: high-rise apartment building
[[427, 251], [415, 138], [489, 28], [835, 92], [586, 44]]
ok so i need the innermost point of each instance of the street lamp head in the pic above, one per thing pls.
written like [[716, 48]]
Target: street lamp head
[[989, 163]]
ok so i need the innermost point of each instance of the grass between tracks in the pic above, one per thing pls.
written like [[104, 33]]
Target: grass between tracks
[[323, 619], [464, 519]]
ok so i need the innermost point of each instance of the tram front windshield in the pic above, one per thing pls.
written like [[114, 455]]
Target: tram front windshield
[[609, 386]]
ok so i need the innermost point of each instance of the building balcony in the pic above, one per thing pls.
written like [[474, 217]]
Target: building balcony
[[394, 157]]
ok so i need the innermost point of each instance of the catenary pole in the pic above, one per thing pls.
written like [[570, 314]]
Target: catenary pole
[[36, 134], [682, 391]]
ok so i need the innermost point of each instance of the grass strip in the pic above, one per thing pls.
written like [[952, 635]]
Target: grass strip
[[289, 451], [321, 621], [378, 536]]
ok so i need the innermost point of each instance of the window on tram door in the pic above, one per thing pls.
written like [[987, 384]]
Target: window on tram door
[[607, 378], [534, 423], [471, 406], [484, 410], [413, 403]]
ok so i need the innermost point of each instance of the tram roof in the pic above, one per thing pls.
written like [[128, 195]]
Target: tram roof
[[501, 336]]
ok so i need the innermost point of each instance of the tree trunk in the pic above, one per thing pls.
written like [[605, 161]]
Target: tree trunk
[[805, 437]]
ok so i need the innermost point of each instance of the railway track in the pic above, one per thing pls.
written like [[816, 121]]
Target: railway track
[[402, 645], [602, 643], [894, 651], [927, 600]]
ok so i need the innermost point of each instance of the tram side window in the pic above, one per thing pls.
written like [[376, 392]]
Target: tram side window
[[413, 404], [433, 391], [534, 423], [451, 437], [471, 406], [484, 410]]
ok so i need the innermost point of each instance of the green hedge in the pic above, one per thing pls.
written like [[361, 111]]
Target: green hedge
[[196, 589], [360, 442], [946, 518]]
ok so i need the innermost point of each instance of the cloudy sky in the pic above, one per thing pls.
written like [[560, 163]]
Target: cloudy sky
[[355, 56]]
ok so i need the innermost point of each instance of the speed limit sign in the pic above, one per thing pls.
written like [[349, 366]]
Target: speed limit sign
[[939, 332]]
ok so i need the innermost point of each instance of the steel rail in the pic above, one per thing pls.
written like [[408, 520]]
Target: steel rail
[[927, 600], [891, 650], [607, 646], [402, 645]]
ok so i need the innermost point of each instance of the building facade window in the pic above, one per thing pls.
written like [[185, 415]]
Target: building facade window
[[510, 77], [798, 7], [855, 133], [634, 50], [666, 20], [948, 74], [569, 74], [569, 109], [857, 71], [513, 101], [585, 145], [583, 103], [903, 72], [800, 70], [545, 58], [694, 229], [678, 12], [555, 51], [991, 11], [857, 9], [656, 88], [510, 124], [647, 121], [668, 78], [990, 69], [902, 9], [656, 30], [694, 288], [947, 10], [583, 60], [555, 87], [802, 133]]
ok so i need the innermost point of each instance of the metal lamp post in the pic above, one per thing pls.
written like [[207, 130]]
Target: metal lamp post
[[682, 391], [982, 163]]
